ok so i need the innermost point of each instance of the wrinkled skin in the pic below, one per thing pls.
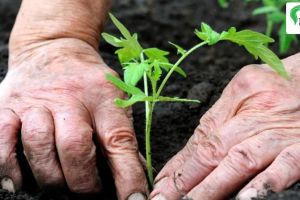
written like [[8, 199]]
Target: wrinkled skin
[[251, 134], [57, 94]]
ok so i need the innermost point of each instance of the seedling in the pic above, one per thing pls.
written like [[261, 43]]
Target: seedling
[[273, 10], [148, 64]]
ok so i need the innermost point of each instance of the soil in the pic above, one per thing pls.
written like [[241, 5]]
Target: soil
[[209, 71]]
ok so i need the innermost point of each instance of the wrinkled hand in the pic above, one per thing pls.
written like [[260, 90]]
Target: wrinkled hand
[[251, 134], [57, 94]]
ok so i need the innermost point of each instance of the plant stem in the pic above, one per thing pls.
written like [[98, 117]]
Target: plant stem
[[162, 85], [269, 28], [148, 144], [149, 112], [149, 106]]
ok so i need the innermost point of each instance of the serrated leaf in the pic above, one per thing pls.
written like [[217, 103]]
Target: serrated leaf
[[180, 50], [156, 73], [129, 102], [126, 54], [125, 32], [129, 47], [176, 99], [247, 37], [112, 40], [134, 72], [207, 34], [254, 43], [268, 57], [123, 86], [168, 66], [156, 54]]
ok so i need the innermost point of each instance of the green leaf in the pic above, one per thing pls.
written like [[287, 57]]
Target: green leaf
[[112, 40], [254, 43], [127, 54], [223, 3], [176, 99], [132, 100], [207, 34], [123, 86], [125, 32], [156, 73], [264, 10], [180, 50], [134, 72], [168, 66], [246, 37], [268, 57], [156, 54], [129, 47]]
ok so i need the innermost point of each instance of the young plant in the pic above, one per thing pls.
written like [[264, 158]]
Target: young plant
[[148, 64], [274, 12]]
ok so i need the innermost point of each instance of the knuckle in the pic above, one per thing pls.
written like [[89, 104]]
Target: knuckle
[[41, 156], [181, 182], [210, 151], [207, 123], [80, 144], [240, 160], [37, 134], [81, 188], [274, 180], [7, 158], [120, 141], [244, 78], [290, 158], [8, 120]]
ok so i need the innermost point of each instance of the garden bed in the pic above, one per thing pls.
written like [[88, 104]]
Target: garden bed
[[158, 22]]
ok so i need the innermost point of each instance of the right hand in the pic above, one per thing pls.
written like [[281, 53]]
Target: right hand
[[252, 133]]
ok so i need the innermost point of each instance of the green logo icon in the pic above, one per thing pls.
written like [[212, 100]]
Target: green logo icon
[[294, 12]]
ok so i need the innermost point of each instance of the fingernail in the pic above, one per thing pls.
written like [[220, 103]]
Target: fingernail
[[137, 196], [7, 184], [159, 197], [248, 194]]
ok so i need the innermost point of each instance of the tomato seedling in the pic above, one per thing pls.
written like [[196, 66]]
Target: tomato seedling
[[275, 15], [148, 64]]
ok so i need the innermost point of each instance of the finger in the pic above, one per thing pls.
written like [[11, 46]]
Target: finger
[[209, 123], [39, 147], [116, 134], [76, 149], [281, 174], [207, 152], [10, 174], [242, 162], [229, 104]]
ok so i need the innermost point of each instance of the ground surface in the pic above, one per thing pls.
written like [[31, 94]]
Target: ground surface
[[208, 71]]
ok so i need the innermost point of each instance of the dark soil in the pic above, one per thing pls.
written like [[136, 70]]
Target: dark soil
[[208, 71]]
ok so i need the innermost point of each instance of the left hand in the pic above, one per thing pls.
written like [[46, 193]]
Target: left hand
[[251, 133]]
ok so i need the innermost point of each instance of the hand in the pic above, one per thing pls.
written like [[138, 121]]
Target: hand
[[57, 94], [251, 134]]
